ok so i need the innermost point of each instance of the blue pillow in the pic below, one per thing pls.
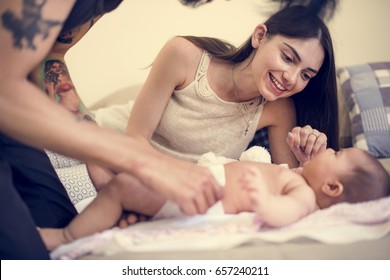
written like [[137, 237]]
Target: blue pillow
[[366, 92]]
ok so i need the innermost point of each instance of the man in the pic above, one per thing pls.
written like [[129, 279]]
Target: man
[[31, 193]]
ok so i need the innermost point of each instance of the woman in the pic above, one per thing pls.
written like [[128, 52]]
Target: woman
[[203, 94]]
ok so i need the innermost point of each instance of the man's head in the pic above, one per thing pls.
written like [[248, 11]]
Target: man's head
[[194, 3]]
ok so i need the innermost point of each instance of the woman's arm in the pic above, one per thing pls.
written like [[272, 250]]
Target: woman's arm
[[288, 143], [279, 116], [28, 115], [174, 68]]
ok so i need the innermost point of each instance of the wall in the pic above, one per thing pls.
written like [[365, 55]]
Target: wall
[[118, 49]]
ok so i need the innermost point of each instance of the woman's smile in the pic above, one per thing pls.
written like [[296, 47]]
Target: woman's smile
[[279, 88]]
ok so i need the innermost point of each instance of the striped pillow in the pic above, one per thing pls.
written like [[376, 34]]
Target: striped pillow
[[366, 92]]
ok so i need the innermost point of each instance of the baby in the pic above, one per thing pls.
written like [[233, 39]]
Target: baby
[[279, 196]]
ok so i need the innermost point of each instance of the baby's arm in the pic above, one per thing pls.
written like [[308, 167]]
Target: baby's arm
[[278, 209]]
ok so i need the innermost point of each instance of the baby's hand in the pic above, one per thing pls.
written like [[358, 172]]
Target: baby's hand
[[252, 181]]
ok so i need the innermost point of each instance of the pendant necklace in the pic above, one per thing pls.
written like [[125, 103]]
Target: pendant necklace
[[241, 106]]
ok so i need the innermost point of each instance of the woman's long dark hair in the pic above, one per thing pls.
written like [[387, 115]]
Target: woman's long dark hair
[[316, 104]]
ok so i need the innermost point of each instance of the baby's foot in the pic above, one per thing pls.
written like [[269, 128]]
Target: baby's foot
[[53, 237], [129, 218]]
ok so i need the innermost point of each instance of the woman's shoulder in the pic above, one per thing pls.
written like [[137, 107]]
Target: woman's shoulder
[[182, 48], [182, 42]]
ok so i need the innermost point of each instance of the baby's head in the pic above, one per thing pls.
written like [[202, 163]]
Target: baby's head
[[350, 175]]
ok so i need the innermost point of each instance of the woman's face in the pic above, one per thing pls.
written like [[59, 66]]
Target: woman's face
[[283, 66]]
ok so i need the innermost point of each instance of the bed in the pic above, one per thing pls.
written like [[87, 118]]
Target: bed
[[343, 231]]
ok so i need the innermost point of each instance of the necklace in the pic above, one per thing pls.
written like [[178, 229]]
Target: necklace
[[249, 121]]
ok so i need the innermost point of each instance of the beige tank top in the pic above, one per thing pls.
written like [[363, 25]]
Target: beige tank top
[[197, 121]]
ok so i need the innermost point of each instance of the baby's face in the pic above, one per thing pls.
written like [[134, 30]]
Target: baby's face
[[330, 165]]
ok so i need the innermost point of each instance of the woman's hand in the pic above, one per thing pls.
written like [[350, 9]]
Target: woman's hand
[[306, 142]]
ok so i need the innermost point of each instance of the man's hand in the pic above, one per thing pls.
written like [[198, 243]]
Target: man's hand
[[191, 186]]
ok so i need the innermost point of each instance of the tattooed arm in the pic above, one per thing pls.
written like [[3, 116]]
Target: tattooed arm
[[28, 30], [53, 77], [52, 74]]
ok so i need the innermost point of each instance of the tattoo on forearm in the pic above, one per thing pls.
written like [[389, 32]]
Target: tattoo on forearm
[[59, 86], [29, 25]]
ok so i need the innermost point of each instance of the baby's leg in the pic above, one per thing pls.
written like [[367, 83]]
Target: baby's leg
[[54, 237], [100, 176], [138, 198], [123, 192]]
